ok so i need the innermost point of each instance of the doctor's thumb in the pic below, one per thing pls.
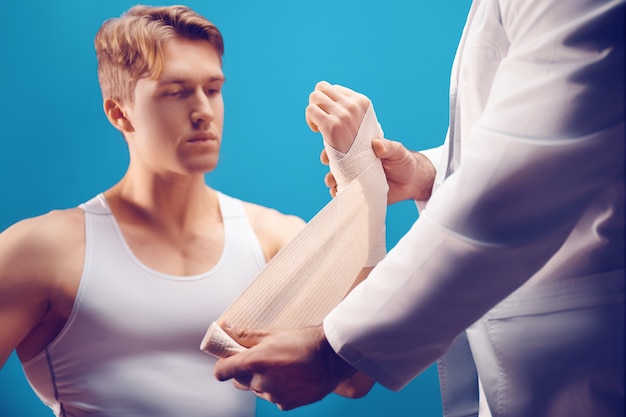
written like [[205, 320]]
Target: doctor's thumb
[[244, 336]]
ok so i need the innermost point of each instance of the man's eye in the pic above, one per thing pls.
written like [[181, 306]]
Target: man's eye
[[176, 93]]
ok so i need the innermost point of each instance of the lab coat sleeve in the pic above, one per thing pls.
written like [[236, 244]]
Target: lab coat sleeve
[[434, 155], [550, 139]]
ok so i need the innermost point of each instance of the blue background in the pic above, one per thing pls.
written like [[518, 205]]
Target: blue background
[[57, 149]]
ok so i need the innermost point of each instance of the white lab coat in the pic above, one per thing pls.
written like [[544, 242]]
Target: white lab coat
[[522, 241]]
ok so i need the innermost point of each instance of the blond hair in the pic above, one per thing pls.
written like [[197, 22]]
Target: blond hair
[[130, 47]]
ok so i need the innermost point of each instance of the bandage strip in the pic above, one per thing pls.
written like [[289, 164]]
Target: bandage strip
[[316, 269]]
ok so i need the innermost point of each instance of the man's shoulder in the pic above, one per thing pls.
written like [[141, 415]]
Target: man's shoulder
[[41, 261], [273, 228], [49, 234], [271, 216]]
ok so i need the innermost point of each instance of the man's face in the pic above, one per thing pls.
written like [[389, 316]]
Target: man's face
[[177, 118]]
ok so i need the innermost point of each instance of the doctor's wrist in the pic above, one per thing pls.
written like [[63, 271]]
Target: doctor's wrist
[[336, 367], [424, 178]]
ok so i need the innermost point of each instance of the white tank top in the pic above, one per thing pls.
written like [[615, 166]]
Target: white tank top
[[131, 344]]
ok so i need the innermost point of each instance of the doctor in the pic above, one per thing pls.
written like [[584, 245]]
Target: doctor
[[513, 276]]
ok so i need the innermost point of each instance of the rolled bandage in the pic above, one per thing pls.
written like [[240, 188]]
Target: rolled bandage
[[312, 273]]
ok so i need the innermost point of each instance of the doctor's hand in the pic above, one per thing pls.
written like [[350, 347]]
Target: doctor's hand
[[410, 175], [336, 112], [290, 368]]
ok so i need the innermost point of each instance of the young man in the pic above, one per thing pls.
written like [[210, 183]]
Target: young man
[[106, 303]]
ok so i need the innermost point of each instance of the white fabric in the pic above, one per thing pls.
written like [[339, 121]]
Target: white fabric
[[483, 410], [316, 269], [130, 345], [435, 156], [531, 194]]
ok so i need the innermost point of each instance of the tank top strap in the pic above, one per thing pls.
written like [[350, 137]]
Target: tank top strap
[[230, 207], [97, 205]]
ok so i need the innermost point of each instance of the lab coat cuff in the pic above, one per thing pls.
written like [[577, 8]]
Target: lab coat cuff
[[358, 361]]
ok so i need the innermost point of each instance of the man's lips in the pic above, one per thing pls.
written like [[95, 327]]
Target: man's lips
[[201, 138]]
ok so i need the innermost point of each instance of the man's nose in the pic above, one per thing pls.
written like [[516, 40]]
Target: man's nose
[[202, 112]]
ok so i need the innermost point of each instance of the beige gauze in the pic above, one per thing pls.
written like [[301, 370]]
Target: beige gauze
[[315, 270]]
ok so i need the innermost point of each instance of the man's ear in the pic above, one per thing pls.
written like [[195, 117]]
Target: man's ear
[[117, 116]]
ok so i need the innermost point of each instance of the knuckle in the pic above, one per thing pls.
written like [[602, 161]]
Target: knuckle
[[343, 115], [352, 106], [335, 121], [362, 101], [314, 97]]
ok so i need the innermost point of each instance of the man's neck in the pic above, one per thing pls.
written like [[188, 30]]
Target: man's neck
[[174, 203]]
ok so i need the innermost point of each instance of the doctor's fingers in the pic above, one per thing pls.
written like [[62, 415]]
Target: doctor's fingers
[[240, 367], [391, 151], [242, 382], [249, 382], [261, 385], [246, 387], [276, 392]]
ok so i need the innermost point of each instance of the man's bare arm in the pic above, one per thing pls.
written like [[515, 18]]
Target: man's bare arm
[[40, 265]]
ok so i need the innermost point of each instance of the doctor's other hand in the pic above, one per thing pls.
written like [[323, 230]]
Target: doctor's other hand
[[289, 368], [410, 174]]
